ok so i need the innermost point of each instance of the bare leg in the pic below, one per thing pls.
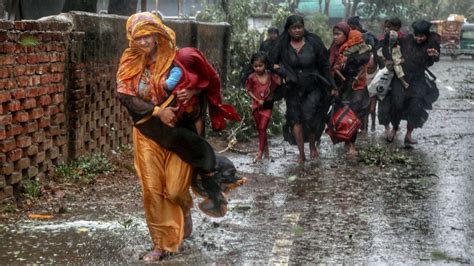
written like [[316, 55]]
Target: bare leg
[[408, 138], [298, 133], [199, 124], [351, 151], [313, 150]]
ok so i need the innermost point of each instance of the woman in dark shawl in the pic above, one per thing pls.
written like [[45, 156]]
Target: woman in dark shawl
[[302, 59], [420, 50]]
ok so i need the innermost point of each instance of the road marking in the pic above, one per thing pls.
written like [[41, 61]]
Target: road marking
[[450, 88], [284, 240]]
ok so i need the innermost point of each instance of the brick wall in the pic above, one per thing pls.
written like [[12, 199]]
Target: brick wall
[[33, 133], [57, 88]]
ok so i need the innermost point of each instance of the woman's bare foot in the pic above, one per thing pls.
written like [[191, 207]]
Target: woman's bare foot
[[301, 159], [154, 255], [267, 153], [314, 154], [352, 151], [258, 158]]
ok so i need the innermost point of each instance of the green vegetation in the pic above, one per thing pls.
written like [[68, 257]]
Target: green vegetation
[[28, 41], [85, 169], [32, 189], [381, 156]]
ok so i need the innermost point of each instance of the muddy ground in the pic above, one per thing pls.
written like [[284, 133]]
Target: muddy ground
[[389, 205]]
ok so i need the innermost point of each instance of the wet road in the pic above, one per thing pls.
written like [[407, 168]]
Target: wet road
[[416, 209]]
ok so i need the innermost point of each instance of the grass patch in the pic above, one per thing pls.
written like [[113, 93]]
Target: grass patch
[[85, 169], [32, 189], [29, 41], [439, 255]]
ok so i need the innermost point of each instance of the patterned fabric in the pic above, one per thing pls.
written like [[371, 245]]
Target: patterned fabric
[[133, 61]]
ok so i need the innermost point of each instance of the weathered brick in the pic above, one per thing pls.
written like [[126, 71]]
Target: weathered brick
[[30, 69], [57, 67], [15, 155], [32, 59], [3, 181], [5, 96], [3, 133], [13, 130], [8, 48], [38, 137], [23, 141], [30, 127], [39, 157], [45, 79], [7, 145], [23, 81], [59, 140], [56, 77], [46, 144], [6, 25], [27, 25], [14, 178], [6, 119], [32, 92], [44, 121], [53, 153], [19, 94], [14, 106], [32, 150], [44, 100], [32, 171], [20, 117], [34, 80], [22, 59], [7, 168], [43, 57], [58, 98], [5, 72], [53, 131], [20, 70], [60, 87], [42, 69], [21, 164], [51, 110], [43, 90], [6, 193], [36, 113], [59, 118], [28, 104], [7, 60]]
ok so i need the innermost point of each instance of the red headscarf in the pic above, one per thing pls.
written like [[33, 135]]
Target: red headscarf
[[334, 51]]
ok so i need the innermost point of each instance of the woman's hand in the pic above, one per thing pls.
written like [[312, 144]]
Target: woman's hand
[[432, 52], [334, 92], [167, 115], [185, 95], [260, 102]]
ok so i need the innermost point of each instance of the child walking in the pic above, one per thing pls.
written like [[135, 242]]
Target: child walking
[[260, 86]]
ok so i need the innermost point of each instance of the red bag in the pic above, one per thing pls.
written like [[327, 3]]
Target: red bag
[[343, 124]]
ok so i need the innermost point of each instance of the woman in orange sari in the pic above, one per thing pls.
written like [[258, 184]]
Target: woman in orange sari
[[169, 154]]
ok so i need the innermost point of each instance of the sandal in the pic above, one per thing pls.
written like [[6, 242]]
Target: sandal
[[153, 256]]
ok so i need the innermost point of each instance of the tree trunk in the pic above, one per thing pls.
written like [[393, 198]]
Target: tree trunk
[[321, 6], [143, 6], [326, 7]]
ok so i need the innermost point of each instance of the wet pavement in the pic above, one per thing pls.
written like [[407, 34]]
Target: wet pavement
[[413, 208]]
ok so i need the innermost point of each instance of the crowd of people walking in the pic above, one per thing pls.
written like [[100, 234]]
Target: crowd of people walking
[[358, 71]]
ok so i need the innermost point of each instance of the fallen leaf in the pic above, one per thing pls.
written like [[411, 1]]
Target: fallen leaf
[[40, 216]]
